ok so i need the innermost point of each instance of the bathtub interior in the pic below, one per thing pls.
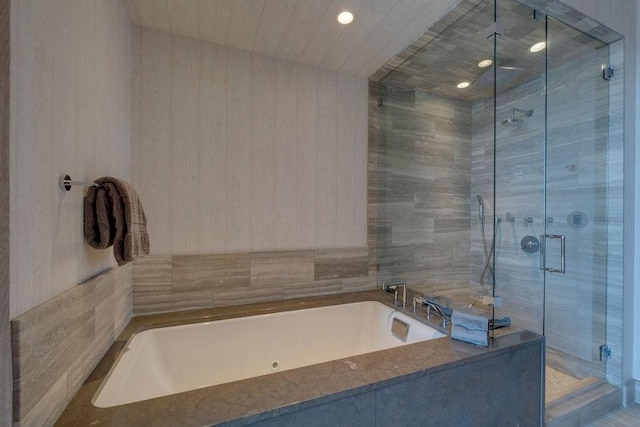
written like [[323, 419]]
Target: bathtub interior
[[163, 361]]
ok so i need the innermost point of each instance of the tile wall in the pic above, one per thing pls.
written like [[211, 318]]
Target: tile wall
[[58, 344], [413, 245], [423, 155], [180, 282]]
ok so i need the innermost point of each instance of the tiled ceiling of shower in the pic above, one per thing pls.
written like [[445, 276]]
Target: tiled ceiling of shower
[[453, 56], [301, 30]]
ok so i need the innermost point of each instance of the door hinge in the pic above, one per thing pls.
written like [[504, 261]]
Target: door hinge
[[605, 353], [607, 72], [537, 15]]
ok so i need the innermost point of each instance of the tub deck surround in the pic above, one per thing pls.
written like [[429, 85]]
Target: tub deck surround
[[181, 282], [292, 393]]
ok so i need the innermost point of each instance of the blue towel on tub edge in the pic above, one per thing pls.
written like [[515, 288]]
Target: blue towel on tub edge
[[474, 337], [470, 328]]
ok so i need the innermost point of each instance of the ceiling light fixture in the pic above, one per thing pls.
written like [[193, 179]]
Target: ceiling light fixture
[[463, 85], [345, 17], [485, 63], [537, 47]]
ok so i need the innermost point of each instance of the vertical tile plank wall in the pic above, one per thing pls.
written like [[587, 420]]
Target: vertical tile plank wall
[[285, 151], [153, 167], [184, 151], [238, 196], [70, 102], [31, 236], [70, 114], [246, 157], [213, 148], [262, 151], [305, 173], [5, 332], [265, 132], [327, 159]]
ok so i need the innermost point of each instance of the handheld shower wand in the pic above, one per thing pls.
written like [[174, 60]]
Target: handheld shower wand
[[480, 207], [487, 250]]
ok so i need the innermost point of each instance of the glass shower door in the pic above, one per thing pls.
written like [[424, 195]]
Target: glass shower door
[[575, 239]]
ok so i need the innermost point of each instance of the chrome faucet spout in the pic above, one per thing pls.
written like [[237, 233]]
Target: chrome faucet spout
[[394, 288]]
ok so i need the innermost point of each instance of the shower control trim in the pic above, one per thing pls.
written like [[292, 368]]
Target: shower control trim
[[530, 244]]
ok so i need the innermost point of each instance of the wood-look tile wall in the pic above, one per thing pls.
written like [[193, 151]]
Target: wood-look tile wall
[[180, 282], [422, 149], [70, 102], [589, 17], [234, 151], [58, 344], [519, 180]]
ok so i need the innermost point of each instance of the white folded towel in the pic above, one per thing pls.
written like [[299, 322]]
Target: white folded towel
[[470, 328]]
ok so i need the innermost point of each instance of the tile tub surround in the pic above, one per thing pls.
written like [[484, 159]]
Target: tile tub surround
[[57, 344], [180, 282], [350, 385]]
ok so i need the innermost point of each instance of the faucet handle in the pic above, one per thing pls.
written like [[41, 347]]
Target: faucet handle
[[417, 302], [392, 288]]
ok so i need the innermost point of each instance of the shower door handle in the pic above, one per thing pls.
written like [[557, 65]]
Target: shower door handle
[[543, 252]]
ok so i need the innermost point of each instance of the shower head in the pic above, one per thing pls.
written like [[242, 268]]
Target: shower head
[[480, 207], [503, 76], [513, 120]]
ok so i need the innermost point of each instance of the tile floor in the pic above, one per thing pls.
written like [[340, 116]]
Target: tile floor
[[621, 417]]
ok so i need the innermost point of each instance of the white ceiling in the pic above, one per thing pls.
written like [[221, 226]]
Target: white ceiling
[[300, 30]]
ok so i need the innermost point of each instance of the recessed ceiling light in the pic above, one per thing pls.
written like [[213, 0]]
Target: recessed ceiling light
[[537, 47], [345, 17], [485, 63], [463, 85]]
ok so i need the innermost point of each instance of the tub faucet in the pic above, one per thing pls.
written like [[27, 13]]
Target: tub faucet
[[438, 309], [393, 288], [443, 312]]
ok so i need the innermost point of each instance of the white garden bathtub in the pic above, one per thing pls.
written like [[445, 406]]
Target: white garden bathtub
[[164, 361]]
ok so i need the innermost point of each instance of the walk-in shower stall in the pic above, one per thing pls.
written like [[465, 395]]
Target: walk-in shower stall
[[497, 149]]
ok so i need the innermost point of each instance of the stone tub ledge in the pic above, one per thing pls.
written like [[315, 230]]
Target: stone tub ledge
[[349, 385]]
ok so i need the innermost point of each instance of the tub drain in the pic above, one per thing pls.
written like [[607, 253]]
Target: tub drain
[[275, 365]]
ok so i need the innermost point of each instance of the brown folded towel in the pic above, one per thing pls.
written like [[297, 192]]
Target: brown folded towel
[[113, 215]]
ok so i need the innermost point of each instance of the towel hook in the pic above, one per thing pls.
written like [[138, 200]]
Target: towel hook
[[66, 183]]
